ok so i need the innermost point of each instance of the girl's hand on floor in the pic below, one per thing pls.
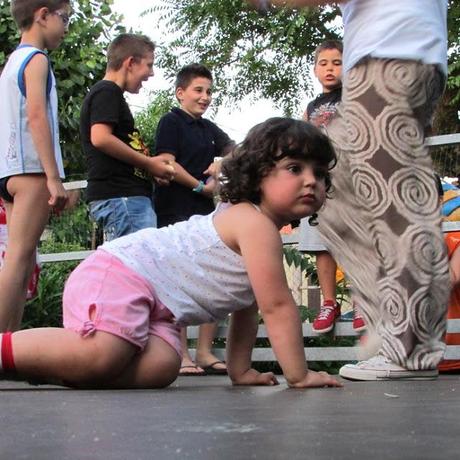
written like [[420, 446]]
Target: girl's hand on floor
[[316, 379], [253, 377]]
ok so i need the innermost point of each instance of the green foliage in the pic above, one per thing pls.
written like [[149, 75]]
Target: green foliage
[[303, 260], [147, 120], [266, 55], [72, 227], [249, 54], [78, 63]]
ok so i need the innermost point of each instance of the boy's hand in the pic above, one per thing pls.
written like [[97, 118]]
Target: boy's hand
[[253, 377], [58, 195], [161, 166], [316, 379], [213, 169], [161, 182]]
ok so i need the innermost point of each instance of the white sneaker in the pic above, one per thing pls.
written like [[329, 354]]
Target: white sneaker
[[380, 368]]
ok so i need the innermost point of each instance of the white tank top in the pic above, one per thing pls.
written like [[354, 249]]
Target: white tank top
[[17, 149], [193, 272], [399, 29]]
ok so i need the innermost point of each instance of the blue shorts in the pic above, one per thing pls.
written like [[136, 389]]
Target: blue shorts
[[122, 216], [4, 194]]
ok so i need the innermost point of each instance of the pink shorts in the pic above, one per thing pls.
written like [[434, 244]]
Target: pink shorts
[[102, 294]]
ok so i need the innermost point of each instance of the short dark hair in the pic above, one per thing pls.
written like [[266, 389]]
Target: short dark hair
[[125, 46], [23, 10], [328, 45], [185, 75], [265, 145]]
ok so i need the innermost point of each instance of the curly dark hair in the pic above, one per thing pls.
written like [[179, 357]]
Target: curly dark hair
[[265, 145]]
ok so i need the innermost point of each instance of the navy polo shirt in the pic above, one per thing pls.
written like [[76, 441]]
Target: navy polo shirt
[[194, 144]]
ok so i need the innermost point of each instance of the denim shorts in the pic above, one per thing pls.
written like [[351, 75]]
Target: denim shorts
[[121, 216]]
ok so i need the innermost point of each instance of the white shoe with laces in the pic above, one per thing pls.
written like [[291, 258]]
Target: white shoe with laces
[[381, 368]]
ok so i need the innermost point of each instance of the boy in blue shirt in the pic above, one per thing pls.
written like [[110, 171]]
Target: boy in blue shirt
[[31, 167]]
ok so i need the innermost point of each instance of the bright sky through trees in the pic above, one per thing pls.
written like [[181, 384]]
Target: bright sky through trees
[[235, 123]]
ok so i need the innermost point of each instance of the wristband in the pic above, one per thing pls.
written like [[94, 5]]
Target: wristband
[[199, 188]]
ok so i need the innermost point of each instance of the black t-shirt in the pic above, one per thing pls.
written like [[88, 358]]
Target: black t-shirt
[[107, 176], [321, 109], [194, 143]]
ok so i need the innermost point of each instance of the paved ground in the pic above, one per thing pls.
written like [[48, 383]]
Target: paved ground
[[206, 418]]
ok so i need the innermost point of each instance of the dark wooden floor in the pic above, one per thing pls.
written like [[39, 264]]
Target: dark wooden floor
[[207, 418]]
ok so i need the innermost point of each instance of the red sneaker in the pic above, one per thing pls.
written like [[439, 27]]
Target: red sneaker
[[358, 321], [326, 317]]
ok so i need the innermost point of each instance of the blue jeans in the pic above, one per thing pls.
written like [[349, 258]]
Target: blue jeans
[[121, 216]]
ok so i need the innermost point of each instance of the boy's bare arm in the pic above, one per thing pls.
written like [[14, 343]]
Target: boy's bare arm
[[104, 140], [240, 342], [36, 76], [183, 177]]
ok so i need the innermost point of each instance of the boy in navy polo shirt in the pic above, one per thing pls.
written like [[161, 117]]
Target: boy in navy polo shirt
[[194, 142]]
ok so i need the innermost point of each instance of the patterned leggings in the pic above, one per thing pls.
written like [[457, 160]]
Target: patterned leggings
[[383, 225]]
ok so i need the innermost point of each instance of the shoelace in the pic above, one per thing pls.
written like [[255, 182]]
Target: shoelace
[[325, 311], [356, 313], [378, 360]]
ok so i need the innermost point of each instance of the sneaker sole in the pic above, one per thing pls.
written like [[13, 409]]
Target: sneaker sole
[[361, 375], [323, 331], [360, 329]]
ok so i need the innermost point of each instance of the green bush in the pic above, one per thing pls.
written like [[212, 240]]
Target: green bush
[[70, 227]]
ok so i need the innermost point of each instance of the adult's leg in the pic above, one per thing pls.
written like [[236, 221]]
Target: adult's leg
[[386, 107], [344, 229], [26, 219], [204, 356], [188, 366]]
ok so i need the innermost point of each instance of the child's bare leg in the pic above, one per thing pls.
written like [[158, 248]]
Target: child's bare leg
[[26, 219], [326, 268], [204, 355], [187, 366], [55, 354], [156, 367]]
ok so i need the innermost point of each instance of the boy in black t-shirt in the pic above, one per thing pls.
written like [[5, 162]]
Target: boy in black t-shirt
[[328, 71], [120, 168], [194, 142]]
